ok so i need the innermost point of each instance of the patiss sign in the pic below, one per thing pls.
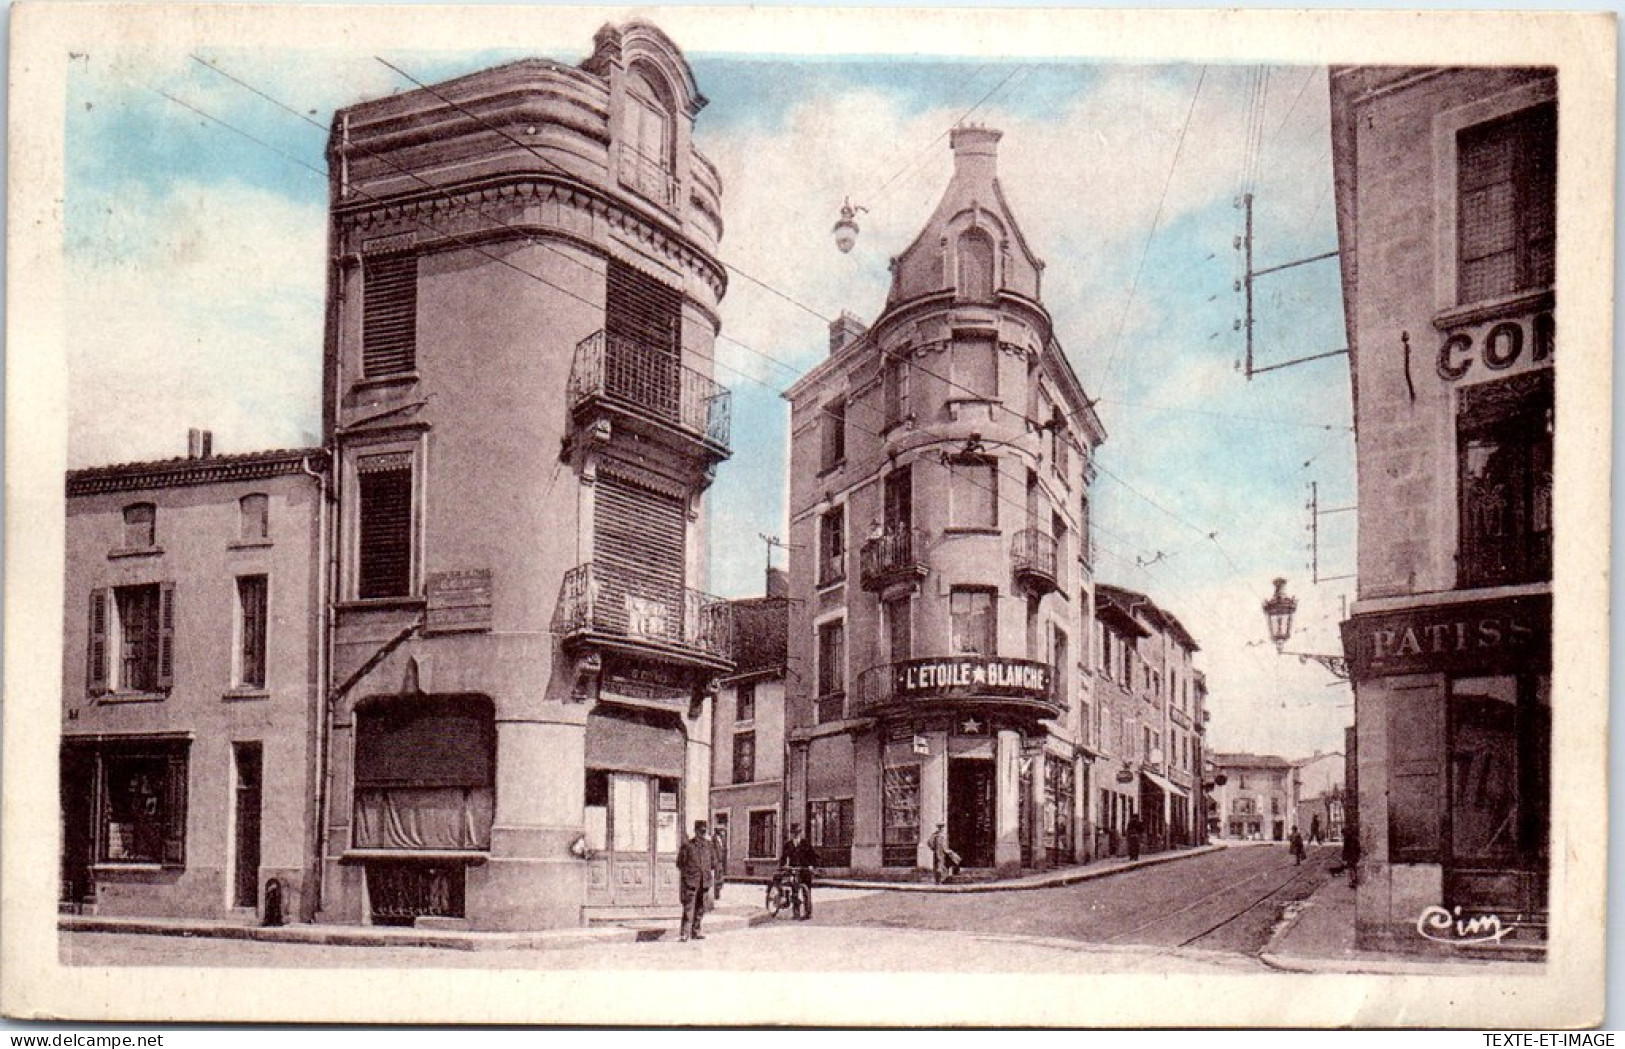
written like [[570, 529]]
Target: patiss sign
[[1480, 635], [971, 676]]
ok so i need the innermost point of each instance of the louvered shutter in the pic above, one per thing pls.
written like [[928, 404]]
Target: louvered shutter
[[96, 650], [166, 636], [175, 811], [638, 543], [643, 322], [389, 315], [385, 568]]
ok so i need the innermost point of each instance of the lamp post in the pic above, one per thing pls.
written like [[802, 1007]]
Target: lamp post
[[1278, 612], [846, 227]]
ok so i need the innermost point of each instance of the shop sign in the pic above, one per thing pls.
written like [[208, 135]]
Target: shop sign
[[922, 745], [645, 681], [1497, 346], [970, 677], [458, 601], [1512, 633]]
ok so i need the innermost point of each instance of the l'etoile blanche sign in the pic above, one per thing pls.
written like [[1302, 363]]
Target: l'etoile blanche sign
[[970, 675]]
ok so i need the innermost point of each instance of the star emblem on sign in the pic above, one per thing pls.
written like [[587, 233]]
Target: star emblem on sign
[[979, 676], [972, 727]]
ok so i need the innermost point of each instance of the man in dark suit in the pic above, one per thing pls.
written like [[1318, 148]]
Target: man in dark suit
[[800, 858], [694, 865]]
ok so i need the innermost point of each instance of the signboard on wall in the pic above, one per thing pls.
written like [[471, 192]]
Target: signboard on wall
[[1510, 633], [970, 677], [458, 601]]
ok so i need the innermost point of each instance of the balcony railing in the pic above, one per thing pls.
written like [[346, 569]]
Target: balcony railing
[[651, 383], [1033, 556], [649, 177], [894, 556], [614, 603]]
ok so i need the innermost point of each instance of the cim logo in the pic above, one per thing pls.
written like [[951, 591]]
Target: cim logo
[[1442, 926]]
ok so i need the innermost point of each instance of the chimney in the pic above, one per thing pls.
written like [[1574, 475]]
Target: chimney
[[199, 444], [778, 583], [975, 151], [844, 331]]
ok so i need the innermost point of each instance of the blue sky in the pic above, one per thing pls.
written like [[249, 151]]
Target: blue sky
[[195, 270]]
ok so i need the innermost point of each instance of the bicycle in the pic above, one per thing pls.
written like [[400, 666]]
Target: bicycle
[[789, 890]]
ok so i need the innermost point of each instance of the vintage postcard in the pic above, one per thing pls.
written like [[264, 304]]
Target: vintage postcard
[[952, 517]]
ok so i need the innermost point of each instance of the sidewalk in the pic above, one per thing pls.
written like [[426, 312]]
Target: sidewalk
[[741, 906], [1317, 936]]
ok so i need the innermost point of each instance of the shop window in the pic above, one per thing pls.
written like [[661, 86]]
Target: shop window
[[830, 831], [1504, 447], [131, 639], [832, 546], [389, 305], [764, 835], [1506, 207], [596, 812], [744, 757], [975, 364], [142, 811], [1500, 731], [251, 630], [745, 702], [973, 493], [834, 434], [425, 773], [385, 556], [140, 526], [253, 517], [971, 613], [900, 816], [831, 671]]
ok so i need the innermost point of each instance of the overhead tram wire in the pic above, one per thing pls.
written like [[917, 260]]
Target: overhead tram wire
[[1145, 249], [542, 280], [925, 151]]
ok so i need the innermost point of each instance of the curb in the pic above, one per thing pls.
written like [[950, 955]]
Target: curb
[[1070, 876], [1396, 967]]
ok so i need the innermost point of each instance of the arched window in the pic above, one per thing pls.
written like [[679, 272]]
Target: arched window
[[254, 517], [648, 141], [976, 266]]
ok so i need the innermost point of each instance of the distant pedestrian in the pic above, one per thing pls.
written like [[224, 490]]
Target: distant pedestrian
[[1351, 852], [1295, 842], [1315, 834], [719, 861], [1136, 835], [694, 880], [944, 861]]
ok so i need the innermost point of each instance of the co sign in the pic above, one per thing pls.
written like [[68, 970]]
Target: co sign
[[1499, 347]]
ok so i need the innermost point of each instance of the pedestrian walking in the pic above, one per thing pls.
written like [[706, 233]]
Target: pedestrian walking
[[1136, 834], [1314, 829], [694, 880], [944, 861], [1295, 842], [719, 862]]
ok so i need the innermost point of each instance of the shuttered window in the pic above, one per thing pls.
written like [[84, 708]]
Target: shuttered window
[[389, 315], [385, 562], [643, 329], [1507, 205], [131, 639], [251, 610], [639, 538]]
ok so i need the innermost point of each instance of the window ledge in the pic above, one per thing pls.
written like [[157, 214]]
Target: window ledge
[[971, 531], [830, 584], [135, 551], [363, 604], [248, 544], [235, 694], [132, 697], [371, 382], [835, 467], [1490, 309], [133, 867], [470, 856]]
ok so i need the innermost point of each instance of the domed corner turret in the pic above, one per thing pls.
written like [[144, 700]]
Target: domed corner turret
[[971, 246]]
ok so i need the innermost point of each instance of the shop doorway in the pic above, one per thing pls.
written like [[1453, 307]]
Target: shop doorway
[[78, 825], [632, 834], [970, 810]]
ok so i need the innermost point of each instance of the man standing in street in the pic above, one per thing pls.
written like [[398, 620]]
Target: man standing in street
[[1136, 835], [694, 880], [944, 861], [719, 861]]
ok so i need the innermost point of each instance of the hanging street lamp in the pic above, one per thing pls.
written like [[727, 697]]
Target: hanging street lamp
[[846, 227], [1278, 612]]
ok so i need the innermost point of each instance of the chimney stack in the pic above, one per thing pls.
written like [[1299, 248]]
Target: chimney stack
[[844, 331], [199, 444], [976, 151]]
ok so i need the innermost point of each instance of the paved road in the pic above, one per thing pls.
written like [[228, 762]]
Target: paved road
[[1221, 901]]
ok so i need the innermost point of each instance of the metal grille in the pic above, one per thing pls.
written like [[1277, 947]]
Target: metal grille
[[1506, 206], [648, 381], [401, 893], [592, 598]]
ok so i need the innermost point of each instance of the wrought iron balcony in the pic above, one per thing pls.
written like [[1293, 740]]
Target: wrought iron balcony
[[894, 556], [600, 602], [651, 384], [957, 682], [1033, 556]]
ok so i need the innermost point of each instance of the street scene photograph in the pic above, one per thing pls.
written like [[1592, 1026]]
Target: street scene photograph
[[675, 492]]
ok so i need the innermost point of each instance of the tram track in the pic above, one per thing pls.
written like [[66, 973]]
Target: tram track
[[1228, 915]]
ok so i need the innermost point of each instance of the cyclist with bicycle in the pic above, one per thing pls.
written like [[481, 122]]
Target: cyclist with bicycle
[[799, 859]]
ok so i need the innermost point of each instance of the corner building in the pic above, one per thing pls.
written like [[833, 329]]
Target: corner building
[[1446, 210], [523, 294], [941, 592]]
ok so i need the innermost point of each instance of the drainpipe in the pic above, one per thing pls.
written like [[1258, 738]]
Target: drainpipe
[[326, 573]]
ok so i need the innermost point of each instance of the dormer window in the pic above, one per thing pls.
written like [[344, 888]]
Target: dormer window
[[976, 266], [648, 141]]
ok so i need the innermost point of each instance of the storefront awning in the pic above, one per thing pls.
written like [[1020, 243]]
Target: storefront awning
[[1163, 785]]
